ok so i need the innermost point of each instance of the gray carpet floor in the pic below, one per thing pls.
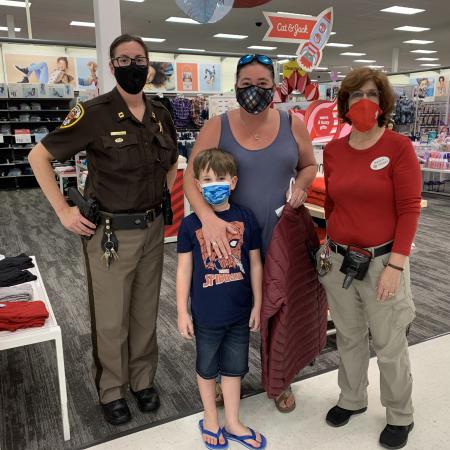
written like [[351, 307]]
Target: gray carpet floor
[[29, 399]]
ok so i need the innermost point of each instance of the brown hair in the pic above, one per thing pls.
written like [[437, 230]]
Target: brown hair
[[220, 162], [122, 39], [269, 67], [63, 58], [355, 80]]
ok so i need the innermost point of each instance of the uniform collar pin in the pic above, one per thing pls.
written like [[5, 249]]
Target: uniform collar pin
[[121, 115]]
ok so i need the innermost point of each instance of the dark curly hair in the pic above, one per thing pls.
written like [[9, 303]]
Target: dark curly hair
[[160, 76], [355, 80]]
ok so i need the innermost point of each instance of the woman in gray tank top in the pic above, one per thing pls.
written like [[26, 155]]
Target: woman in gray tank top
[[269, 151]]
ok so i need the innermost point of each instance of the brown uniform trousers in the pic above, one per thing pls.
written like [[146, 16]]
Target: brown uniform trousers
[[356, 310], [124, 305]]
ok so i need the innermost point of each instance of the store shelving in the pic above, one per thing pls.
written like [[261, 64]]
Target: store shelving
[[23, 114]]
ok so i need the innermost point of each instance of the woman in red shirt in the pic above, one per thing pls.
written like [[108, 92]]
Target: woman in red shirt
[[372, 208]]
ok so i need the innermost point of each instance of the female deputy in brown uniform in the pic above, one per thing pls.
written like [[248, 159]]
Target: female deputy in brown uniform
[[131, 150]]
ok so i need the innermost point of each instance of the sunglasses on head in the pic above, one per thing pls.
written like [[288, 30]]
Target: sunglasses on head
[[263, 59]]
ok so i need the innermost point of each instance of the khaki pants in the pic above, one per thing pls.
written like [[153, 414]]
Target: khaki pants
[[356, 310], [124, 306]]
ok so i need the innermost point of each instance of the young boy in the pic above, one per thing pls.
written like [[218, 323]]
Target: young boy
[[221, 291]]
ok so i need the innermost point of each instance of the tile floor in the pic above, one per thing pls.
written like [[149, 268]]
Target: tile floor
[[305, 428]]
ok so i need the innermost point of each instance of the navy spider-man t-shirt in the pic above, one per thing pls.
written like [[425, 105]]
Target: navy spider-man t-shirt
[[221, 292]]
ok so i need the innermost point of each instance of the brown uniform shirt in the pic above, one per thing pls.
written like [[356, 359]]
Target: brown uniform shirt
[[127, 160]]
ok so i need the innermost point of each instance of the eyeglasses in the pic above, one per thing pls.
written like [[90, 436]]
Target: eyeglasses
[[371, 94], [263, 59], [125, 61]]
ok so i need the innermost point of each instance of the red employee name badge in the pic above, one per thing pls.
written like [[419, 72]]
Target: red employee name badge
[[380, 163]]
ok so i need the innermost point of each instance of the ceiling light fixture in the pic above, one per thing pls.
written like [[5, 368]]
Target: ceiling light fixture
[[427, 59], [430, 65], [414, 29], [342, 76], [182, 20], [418, 42], [402, 10], [13, 3], [17, 30], [352, 54], [261, 47], [321, 68], [287, 56], [76, 23], [423, 51], [147, 39], [365, 60], [136, 1], [181, 49], [337, 44], [230, 36], [375, 67]]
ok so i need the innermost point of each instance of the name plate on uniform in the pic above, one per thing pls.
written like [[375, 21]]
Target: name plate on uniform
[[23, 137]]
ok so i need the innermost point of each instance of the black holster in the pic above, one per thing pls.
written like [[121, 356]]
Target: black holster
[[167, 206], [355, 265]]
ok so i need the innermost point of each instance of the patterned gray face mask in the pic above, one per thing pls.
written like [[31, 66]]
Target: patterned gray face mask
[[254, 99]]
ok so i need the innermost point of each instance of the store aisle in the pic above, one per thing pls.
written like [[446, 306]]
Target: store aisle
[[305, 427]]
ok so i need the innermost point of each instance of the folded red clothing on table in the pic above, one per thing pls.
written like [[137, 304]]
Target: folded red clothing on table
[[318, 185], [14, 316]]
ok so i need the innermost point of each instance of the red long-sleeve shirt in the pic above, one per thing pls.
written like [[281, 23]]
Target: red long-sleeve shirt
[[373, 195]]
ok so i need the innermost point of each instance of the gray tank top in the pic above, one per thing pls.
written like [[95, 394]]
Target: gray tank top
[[263, 174]]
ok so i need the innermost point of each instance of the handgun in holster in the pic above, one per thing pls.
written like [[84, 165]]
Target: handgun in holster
[[167, 206], [88, 208], [355, 264]]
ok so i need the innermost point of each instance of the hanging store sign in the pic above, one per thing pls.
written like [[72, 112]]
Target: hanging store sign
[[311, 33], [322, 122]]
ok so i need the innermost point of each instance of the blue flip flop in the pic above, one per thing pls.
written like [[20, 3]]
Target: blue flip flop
[[217, 446], [242, 439]]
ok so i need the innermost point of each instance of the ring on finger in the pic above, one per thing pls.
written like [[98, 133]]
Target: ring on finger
[[214, 243], [391, 294]]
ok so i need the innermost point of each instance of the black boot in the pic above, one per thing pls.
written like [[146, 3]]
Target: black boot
[[338, 417], [395, 436], [24, 80], [147, 399], [24, 70], [116, 412]]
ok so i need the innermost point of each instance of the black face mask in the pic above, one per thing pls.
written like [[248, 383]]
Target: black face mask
[[131, 78], [254, 99]]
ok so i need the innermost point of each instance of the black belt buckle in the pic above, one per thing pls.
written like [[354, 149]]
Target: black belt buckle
[[150, 215]]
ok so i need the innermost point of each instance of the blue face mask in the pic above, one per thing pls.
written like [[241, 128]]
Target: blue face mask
[[216, 193]]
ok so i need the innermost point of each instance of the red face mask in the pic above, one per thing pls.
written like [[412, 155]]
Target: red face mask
[[364, 114]]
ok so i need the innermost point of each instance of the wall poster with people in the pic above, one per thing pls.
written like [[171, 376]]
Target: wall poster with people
[[209, 77], [161, 77], [46, 69], [424, 86], [86, 73]]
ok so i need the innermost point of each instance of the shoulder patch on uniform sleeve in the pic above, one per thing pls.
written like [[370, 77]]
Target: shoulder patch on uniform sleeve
[[76, 113]]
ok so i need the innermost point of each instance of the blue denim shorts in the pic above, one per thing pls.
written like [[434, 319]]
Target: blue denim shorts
[[222, 350]]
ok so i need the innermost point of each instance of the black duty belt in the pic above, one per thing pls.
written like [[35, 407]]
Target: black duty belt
[[379, 251], [132, 220]]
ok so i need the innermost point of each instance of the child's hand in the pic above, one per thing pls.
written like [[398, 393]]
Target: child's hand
[[255, 319], [185, 326]]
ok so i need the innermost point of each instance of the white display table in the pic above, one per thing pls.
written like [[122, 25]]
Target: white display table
[[50, 331]]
